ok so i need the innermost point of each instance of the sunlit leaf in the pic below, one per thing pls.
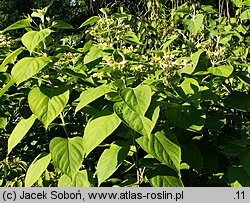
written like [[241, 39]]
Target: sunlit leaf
[[110, 160], [32, 38], [28, 67], [11, 57], [162, 148], [67, 154], [90, 21], [90, 95], [20, 131], [194, 24], [99, 128], [47, 103], [222, 71], [37, 167]]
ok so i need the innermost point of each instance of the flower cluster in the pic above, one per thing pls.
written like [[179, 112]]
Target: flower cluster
[[4, 41]]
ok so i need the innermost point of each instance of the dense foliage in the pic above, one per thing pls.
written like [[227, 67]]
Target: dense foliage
[[155, 94]]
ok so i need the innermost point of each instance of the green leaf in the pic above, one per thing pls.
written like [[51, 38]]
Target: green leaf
[[81, 179], [20, 131], [11, 57], [194, 25], [32, 38], [93, 57], [238, 177], [222, 71], [245, 15], [170, 40], [163, 176], [190, 91], [3, 122], [61, 25], [92, 20], [137, 122], [130, 37], [195, 57], [47, 103], [110, 160], [238, 3], [36, 168], [98, 129], [138, 99], [90, 95], [67, 154], [244, 78], [162, 148], [215, 121], [28, 67], [192, 156], [24, 23], [244, 160], [186, 117], [238, 100]]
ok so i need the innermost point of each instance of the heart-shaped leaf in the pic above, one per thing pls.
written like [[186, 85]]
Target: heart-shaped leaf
[[32, 38], [67, 154], [194, 24], [47, 103], [28, 67], [137, 122], [138, 99], [222, 71]]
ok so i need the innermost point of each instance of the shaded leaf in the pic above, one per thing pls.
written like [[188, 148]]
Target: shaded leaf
[[137, 122], [244, 160], [163, 176], [192, 156], [238, 100], [238, 177], [186, 117]]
